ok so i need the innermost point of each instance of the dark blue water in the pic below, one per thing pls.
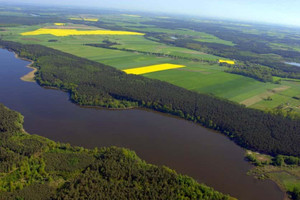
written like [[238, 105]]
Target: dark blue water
[[188, 148]]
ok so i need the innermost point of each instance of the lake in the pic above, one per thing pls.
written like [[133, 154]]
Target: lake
[[203, 154], [293, 63]]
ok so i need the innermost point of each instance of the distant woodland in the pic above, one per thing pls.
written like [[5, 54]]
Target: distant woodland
[[249, 48]]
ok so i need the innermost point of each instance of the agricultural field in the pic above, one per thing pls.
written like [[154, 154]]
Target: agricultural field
[[152, 68], [131, 49], [230, 62], [210, 78], [69, 32]]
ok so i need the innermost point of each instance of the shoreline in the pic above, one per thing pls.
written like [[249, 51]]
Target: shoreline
[[130, 108], [29, 77]]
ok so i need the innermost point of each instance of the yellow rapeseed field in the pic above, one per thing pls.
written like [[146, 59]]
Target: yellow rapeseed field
[[91, 19], [67, 32], [75, 18], [152, 68], [230, 62], [59, 24]]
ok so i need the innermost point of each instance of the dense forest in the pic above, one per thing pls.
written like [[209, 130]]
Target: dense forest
[[92, 83], [35, 168], [258, 72]]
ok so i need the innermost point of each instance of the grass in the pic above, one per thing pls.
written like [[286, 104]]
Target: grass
[[143, 44], [286, 180], [199, 36], [264, 96], [204, 37], [284, 98], [206, 78]]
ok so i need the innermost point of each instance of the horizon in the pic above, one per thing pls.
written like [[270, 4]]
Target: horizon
[[249, 11]]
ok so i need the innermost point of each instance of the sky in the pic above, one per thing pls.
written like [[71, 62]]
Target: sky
[[272, 11]]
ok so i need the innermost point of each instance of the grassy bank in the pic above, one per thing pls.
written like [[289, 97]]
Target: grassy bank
[[283, 170]]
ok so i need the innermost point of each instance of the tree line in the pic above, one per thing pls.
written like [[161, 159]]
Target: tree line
[[92, 83]]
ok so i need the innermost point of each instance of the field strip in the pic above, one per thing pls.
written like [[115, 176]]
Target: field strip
[[152, 68], [59, 24], [84, 19], [195, 70], [67, 32], [260, 97], [230, 62]]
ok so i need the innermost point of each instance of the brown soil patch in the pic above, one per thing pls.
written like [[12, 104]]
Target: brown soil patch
[[195, 52], [262, 96]]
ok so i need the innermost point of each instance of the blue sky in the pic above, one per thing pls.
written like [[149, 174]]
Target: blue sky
[[273, 11]]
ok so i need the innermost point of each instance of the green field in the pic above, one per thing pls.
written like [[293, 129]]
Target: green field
[[204, 76], [288, 181]]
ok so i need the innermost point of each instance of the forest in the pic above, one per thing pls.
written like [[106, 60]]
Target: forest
[[35, 168], [94, 84], [255, 71]]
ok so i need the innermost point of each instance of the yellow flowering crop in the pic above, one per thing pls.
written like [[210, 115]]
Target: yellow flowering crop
[[59, 24], [67, 32], [152, 68], [91, 19], [75, 18], [230, 62]]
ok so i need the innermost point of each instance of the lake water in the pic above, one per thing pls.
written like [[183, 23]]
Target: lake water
[[293, 63], [205, 155]]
